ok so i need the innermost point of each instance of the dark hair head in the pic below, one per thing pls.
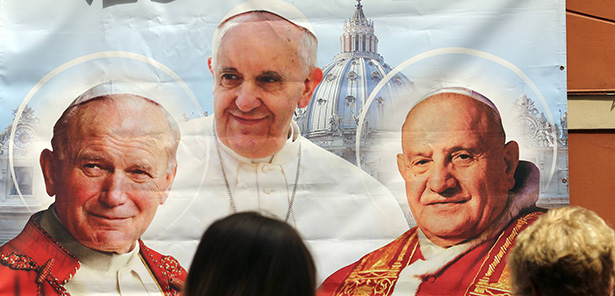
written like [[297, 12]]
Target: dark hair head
[[248, 254]]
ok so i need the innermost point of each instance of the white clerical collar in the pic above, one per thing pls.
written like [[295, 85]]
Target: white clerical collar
[[287, 154], [101, 273], [435, 258], [428, 248], [234, 154]]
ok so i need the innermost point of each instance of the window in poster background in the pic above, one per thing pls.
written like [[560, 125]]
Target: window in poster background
[[3, 184], [24, 175]]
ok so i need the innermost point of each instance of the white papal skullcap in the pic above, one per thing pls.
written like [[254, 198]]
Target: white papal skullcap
[[280, 8], [111, 88], [466, 92]]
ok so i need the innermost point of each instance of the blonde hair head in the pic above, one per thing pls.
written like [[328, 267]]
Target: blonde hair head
[[567, 251]]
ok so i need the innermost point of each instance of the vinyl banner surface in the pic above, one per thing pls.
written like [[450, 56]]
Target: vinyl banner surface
[[328, 144]]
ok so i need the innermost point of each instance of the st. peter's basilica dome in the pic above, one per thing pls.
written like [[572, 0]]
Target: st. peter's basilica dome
[[332, 117]]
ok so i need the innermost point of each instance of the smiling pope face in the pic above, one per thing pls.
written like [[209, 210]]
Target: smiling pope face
[[115, 173], [456, 166], [259, 80]]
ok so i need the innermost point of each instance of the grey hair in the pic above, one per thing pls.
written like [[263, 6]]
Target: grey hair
[[61, 142], [308, 43]]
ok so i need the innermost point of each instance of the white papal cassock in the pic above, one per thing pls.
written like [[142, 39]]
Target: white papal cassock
[[340, 211]]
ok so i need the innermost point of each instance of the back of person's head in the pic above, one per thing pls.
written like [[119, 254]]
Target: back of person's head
[[567, 251], [248, 254]]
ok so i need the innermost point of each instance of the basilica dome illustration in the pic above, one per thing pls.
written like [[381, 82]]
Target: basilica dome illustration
[[332, 117]]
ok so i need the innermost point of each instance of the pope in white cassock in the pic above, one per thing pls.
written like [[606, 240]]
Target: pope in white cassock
[[251, 156]]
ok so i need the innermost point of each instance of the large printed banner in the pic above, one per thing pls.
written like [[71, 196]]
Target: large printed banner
[[378, 60]]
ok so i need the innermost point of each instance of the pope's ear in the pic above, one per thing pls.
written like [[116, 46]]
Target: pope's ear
[[511, 159], [310, 83], [49, 168]]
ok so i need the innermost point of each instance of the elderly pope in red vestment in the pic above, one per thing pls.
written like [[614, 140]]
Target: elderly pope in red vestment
[[470, 196], [112, 165]]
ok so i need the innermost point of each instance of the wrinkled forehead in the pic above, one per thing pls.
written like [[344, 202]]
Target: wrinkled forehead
[[447, 115], [122, 115]]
